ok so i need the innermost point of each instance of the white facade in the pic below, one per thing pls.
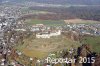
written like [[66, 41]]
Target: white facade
[[48, 35], [56, 33], [43, 36]]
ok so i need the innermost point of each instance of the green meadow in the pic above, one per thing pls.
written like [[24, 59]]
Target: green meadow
[[94, 42], [40, 48], [46, 22]]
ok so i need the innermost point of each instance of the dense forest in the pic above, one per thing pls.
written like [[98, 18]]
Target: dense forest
[[87, 13]]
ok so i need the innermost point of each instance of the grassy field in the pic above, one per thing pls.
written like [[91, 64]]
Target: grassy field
[[94, 42], [40, 48], [46, 22]]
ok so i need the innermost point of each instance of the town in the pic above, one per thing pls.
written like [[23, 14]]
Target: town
[[13, 31]]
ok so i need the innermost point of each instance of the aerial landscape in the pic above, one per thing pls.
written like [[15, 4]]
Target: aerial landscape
[[49, 32]]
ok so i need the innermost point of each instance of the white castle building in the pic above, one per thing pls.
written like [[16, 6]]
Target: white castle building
[[48, 35]]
